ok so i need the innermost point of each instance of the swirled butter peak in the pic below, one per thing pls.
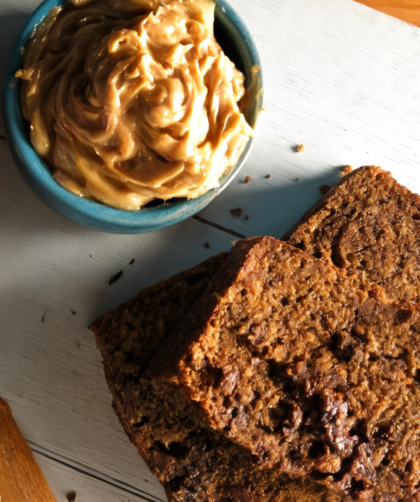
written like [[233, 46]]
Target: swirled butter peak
[[133, 100]]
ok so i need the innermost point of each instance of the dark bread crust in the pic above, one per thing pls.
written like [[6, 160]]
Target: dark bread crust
[[118, 323], [201, 466], [310, 369], [181, 339], [370, 223]]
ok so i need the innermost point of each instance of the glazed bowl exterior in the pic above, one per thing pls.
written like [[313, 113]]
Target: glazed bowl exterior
[[236, 41]]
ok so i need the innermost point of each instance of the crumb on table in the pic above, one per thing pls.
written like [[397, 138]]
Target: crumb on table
[[115, 278], [246, 218], [324, 189], [238, 212], [207, 245], [297, 179], [132, 261], [300, 148], [248, 179], [268, 176]]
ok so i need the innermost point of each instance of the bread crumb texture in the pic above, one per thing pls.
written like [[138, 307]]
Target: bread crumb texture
[[312, 371]]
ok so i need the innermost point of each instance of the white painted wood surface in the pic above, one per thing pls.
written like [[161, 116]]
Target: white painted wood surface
[[87, 487], [339, 78]]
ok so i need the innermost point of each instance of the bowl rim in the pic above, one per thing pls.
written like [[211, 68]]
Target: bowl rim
[[90, 213]]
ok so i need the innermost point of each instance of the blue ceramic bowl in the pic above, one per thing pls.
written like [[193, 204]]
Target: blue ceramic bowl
[[237, 43]]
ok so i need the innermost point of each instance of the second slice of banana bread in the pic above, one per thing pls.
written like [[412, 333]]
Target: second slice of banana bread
[[371, 223]]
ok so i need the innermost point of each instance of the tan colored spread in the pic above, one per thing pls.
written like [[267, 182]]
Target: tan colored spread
[[133, 100]]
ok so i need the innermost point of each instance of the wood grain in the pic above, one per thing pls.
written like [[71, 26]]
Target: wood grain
[[65, 480], [21, 478], [406, 10]]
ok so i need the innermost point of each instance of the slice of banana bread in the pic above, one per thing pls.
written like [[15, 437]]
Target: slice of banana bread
[[203, 466], [312, 370], [367, 222], [192, 463]]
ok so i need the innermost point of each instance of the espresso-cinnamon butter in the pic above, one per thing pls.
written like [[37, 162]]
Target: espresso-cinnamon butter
[[133, 100]]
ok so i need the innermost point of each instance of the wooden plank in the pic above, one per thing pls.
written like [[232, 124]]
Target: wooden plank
[[406, 10], [341, 79], [20, 476], [344, 87], [54, 282]]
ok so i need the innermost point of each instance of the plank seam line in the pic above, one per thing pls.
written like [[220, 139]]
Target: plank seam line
[[219, 227], [84, 470]]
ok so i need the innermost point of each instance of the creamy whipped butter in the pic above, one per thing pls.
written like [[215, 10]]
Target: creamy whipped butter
[[133, 100]]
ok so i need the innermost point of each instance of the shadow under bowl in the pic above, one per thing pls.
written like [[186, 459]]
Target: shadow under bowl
[[237, 43]]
